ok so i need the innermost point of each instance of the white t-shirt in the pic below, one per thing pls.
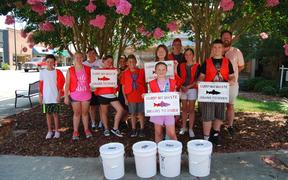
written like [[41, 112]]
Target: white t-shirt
[[95, 65], [236, 58], [50, 91]]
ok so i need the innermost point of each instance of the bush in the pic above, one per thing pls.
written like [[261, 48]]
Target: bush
[[5, 66], [269, 90], [264, 83], [283, 92], [250, 83]]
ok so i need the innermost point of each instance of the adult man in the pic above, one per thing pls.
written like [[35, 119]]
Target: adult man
[[236, 58], [177, 53], [215, 69], [94, 63]]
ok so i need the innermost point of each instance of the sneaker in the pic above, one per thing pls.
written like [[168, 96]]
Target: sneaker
[[75, 136], [116, 132], [100, 125], [93, 126], [182, 131], [191, 133], [214, 137], [49, 135], [106, 132], [88, 134], [231, 131], [133, 133], [141, 133], [56, 135]]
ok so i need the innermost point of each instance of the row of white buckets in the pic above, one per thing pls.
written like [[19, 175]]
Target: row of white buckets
[[199, 153]]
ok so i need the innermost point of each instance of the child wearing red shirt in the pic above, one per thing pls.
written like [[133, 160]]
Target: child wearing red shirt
[[133, 86]]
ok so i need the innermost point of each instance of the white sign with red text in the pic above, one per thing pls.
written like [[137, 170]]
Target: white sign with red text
[[162, 104], [149, 68], [213, 92], [103, 78]]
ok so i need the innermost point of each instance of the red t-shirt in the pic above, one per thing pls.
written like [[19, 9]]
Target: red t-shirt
[[135, 96]]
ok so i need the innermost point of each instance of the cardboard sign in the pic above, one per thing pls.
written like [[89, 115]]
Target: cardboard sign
[[213, 92], [149, 68], [162, 104], [103, 78]]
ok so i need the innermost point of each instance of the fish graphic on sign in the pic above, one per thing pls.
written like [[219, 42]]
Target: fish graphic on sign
[[103, 78], [161, 104], [213, 92]]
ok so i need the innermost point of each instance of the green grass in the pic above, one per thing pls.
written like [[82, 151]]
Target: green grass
[[249, 105]]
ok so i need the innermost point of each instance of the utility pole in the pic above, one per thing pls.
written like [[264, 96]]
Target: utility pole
[[16, 63]]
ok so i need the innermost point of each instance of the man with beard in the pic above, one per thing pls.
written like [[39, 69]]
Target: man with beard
[[236, 58]]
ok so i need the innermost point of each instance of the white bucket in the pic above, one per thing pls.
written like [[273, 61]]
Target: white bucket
[[199, 152], [145, 158], [112, 155], [170, 157]]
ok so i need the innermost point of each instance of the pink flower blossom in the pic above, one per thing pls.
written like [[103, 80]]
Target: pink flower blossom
[[23, 34], [33, 2], [112, 3], [39, 8], [264, 35], [272, 3], [143, 31], [286, 49], [90, 7], [227, 5], [46, 26], [172, 26], [9, 20], [123, 7], [98, 22], [66, 20], [158, 33]]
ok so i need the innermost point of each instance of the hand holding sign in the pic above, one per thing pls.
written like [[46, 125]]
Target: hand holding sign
[[103, 78]]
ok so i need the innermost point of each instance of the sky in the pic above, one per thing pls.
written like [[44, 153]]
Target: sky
[[4, 26]]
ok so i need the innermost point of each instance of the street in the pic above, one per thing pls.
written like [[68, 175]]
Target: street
[[12, 80]]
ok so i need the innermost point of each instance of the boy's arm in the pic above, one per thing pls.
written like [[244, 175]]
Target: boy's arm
[[66, 89], [124, 95]]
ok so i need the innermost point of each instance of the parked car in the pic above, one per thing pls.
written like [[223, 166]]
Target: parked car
[[36, 63]]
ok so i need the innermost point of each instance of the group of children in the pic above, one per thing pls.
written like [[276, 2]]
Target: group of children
[[133, 87]]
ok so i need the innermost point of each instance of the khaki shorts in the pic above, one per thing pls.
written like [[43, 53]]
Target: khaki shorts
[[233, 93], [190, 95]]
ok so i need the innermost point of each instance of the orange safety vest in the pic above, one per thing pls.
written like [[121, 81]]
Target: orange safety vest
[[193, 69], [105, 90], [127, 74], [73, 77], [60, 81], [211, 70], [155, 88]]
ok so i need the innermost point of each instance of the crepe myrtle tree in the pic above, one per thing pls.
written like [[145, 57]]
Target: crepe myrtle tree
[[206, 19], [108, 25]]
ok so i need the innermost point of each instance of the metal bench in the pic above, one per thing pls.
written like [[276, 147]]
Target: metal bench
[[32, 91]]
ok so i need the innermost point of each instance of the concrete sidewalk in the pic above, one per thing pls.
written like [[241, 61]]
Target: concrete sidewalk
[[225, 166], [7, 107]]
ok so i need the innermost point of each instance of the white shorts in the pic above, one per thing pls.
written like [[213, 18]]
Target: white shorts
[[233, 93], [191, 94]]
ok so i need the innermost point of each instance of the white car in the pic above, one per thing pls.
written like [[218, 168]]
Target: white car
[[36, 63]]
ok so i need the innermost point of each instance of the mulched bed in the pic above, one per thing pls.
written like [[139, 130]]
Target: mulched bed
[[24, 134]]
